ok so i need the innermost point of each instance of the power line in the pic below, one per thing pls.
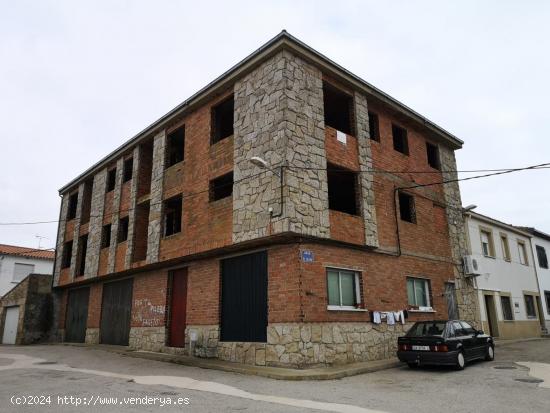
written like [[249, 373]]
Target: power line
[[494, 172]]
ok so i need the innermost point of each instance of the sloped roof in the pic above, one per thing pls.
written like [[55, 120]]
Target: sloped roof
[[26, 252]]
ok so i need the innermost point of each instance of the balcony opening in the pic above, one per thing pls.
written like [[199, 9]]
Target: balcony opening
[[221, 187], [342, 190], [141, 232], [87, 201], [374, 127], [222, 120], [407, 209], [338, 109], [128, 169], [123, 229], [175, 149], [432, 153], [400, 141], [73, 203], [81, 255], [111, 180], [106, 236], [67, 254], [172, 215], [145, 169]]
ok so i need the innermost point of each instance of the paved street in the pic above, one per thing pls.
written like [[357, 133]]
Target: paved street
[[99, 376]]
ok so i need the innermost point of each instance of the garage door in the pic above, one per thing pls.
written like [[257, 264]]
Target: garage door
[[116, 309], [244, 298], [77, 315], [10, 325]]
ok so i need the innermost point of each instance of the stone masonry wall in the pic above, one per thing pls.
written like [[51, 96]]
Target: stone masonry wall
[[95, 226], [366, 179], [468, 307], [77, 230], [115, 216], [279, 117], [133, 206], [60, 238], [155, 214]]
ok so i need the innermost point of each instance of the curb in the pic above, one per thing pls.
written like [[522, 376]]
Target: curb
[[277, 373]]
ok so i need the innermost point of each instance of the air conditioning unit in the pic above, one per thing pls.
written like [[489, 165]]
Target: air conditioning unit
[[472, 266]]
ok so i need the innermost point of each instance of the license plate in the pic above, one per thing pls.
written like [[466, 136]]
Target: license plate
[[421, 348]]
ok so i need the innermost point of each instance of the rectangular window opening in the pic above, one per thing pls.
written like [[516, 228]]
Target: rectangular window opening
[[172, 215], [407, 208], [541, 255], [400, 140], [111, 180], [522, 253], [141, 226], [432, 152], [338, 107], [221, 187], [73, 203], [530, 306], [175, 151], [505, 248], [342, 190], [87, 201], [81, 255], [106, 236], [123, 229], [145, 169], [128, 169], [21, 271], [418, 292], [67, 254], [506, 304], [374, 127], [343, 288], [222, 120], [487, 246]]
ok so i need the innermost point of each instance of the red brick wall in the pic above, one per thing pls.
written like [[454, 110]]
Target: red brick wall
[[94, 305], [125, 197], [149, 299], [344, 155], [120, 256], [346, 227], [203, 292], [283, 297], [103, 261]]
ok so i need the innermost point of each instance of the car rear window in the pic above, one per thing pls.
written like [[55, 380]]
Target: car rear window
[[427, 329]]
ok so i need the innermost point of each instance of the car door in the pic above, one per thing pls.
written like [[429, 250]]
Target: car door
[[478, 342], [467, 340]]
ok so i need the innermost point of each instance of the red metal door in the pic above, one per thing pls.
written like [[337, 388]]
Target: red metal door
[[178, 308]]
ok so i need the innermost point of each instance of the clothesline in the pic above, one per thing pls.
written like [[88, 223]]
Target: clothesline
[[391, 317]]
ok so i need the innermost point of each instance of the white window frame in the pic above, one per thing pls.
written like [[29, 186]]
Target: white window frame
[[426, 291], [356, 275]]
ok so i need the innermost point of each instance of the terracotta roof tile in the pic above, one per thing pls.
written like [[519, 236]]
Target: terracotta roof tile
[[27, 252]]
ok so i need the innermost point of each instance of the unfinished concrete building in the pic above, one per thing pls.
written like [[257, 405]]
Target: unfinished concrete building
[[269, 219]]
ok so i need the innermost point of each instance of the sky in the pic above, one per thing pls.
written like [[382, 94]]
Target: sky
[[77, 79]]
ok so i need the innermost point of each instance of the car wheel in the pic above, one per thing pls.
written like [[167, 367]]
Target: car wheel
[[460, 361], [490, 355], [413, 365]]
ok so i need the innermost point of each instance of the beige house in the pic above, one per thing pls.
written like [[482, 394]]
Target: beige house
[[502, 263]]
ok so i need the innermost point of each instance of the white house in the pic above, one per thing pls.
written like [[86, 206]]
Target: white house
[[540, 243], [508, 291], [18, 262]]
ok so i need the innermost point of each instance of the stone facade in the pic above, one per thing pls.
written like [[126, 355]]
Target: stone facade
[[155, 214], [147, 338], [60, 237], [132, 211], [96, 224], [465, 290], [92, 336], [116, 215], [366, 178], [206, 340], [279, 117], [77, 231]]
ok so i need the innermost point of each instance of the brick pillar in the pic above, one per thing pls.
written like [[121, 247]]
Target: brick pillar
[[466, 295], [132, 212], [366, 178], [155, 214], [115, 216], [60, 237], [96, 223]]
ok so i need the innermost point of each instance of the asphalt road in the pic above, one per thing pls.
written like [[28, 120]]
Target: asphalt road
[[94, 376]]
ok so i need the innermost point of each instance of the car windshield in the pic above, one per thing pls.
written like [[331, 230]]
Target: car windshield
[[427, 328]]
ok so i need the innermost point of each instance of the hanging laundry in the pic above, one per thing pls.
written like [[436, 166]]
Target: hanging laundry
[[376, 319], [391, 318]]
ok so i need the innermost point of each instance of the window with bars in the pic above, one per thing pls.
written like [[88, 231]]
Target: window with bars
[[506, 304]]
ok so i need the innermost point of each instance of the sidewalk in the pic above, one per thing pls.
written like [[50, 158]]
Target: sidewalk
[[279, 373]]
